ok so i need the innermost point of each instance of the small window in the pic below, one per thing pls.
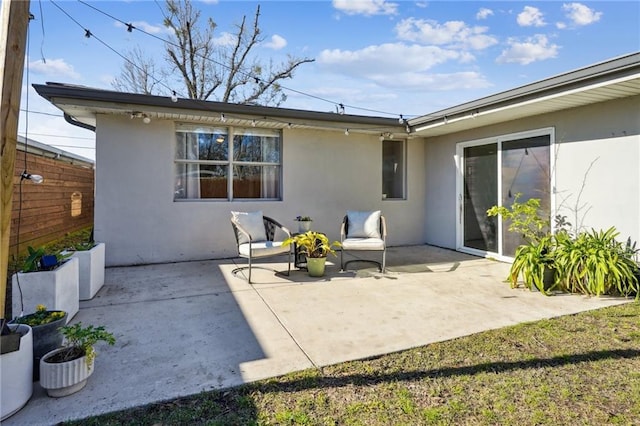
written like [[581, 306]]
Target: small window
[[393, 169]]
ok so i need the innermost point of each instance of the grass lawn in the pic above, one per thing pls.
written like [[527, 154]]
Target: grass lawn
[[580, 369]]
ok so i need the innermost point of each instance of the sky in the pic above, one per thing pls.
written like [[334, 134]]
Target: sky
[[375, 57]]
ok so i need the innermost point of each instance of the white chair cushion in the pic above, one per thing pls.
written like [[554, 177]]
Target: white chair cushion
[[252, 223], [263, 249], [363, 244], [363, 224]]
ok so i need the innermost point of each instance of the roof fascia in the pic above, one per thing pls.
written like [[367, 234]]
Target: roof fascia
[[54, 92], [597, 75]]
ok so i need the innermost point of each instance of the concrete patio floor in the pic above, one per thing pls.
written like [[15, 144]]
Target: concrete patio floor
[[183, 328]]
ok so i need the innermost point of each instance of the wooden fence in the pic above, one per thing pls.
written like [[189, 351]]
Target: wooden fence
[[62, 203]]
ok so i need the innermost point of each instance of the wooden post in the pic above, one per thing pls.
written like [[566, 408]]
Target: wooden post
[[14, 20]]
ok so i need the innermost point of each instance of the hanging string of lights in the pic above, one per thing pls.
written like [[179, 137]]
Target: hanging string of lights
[[130, 28]]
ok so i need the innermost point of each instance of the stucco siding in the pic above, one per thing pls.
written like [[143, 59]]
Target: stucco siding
[[325, 173], [597, 145]]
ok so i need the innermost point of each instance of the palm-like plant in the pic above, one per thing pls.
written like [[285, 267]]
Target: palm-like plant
[[596, 263], [313, 244]]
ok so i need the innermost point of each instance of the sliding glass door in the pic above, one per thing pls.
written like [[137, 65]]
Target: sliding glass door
[[493, 172]]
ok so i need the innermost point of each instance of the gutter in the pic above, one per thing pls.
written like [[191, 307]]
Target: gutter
[[75, 122]]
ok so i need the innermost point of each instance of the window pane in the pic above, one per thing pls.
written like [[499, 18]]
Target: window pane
[[525, 170], [256, 182], [209, 144], [195, 181], [480, 194], [258, 145], [393, 170]]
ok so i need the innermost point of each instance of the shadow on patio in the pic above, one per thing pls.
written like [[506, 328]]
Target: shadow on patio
[[183, 328]]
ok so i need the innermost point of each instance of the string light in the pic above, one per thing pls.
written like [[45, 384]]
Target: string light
[[346, 132], [253, 123], [401, 119], [174, 96], [222, 117]]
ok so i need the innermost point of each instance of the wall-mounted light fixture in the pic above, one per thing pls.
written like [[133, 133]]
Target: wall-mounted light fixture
[[32, 178]]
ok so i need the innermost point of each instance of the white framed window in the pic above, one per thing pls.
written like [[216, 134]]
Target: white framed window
[[227, 163], [394, 169]]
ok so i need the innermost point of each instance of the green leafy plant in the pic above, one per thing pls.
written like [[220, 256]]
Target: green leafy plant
[[595, 263], [33, 262], [83, 245], [303, 218], [535, 262], [313, 244], [525, 218], [40, 317], [79, 342]]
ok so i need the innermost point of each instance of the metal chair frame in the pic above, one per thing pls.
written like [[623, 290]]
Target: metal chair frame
[[270, 227]]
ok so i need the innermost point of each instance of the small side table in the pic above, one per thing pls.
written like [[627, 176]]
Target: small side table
[[299, 259]]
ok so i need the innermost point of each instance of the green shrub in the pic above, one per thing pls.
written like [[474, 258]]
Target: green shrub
[[595, 263]]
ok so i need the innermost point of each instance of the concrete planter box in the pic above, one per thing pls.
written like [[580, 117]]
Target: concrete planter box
[[58, 290], [16, 371], [91, 277]]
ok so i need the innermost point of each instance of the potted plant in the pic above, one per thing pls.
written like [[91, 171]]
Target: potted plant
[[16, 364], [315, 246], [65, 371], [45, 326], [535, 258], [50, 279], [304, 223], [91, 267]]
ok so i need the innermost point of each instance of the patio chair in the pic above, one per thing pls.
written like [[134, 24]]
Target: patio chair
[[257, 237], [363, 231]]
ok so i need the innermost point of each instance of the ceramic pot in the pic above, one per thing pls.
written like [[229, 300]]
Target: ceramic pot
[[64, 378], [16, 384], [304, 226], [315, 266]]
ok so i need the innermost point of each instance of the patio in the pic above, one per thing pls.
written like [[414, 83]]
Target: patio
[[183, 328]]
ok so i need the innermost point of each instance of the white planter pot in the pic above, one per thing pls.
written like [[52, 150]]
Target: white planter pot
[[91, 276], [58, 290], [16, 374], [64, 378], [304, 226]]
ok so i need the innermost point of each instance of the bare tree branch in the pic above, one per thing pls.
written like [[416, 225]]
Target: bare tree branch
[[229, 73]]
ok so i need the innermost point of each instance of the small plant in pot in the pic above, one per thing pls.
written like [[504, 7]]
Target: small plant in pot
[[304, 223], [65, 371], [45, 326], [315, 246]]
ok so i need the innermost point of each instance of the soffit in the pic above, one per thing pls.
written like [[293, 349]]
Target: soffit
[[475, 118]]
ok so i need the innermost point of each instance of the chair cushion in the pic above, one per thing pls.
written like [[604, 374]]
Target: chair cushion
[[363, 244], [263, 249], [363, 224], [252, 223]]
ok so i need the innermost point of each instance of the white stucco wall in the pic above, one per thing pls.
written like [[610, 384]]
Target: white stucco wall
[[325, 173], [598, 145]]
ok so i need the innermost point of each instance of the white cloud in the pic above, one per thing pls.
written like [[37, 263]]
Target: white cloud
[[432, 82], [145, 26], [225, 39], [422, 4], [561, 25], [276, 43], [453, 33], [366, 7], [54, 68], [484, 13], [531, 17], [580, 15], [536, 48], [388, 58]]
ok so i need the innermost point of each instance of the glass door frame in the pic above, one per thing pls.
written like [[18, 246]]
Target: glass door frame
[[459, 159]]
